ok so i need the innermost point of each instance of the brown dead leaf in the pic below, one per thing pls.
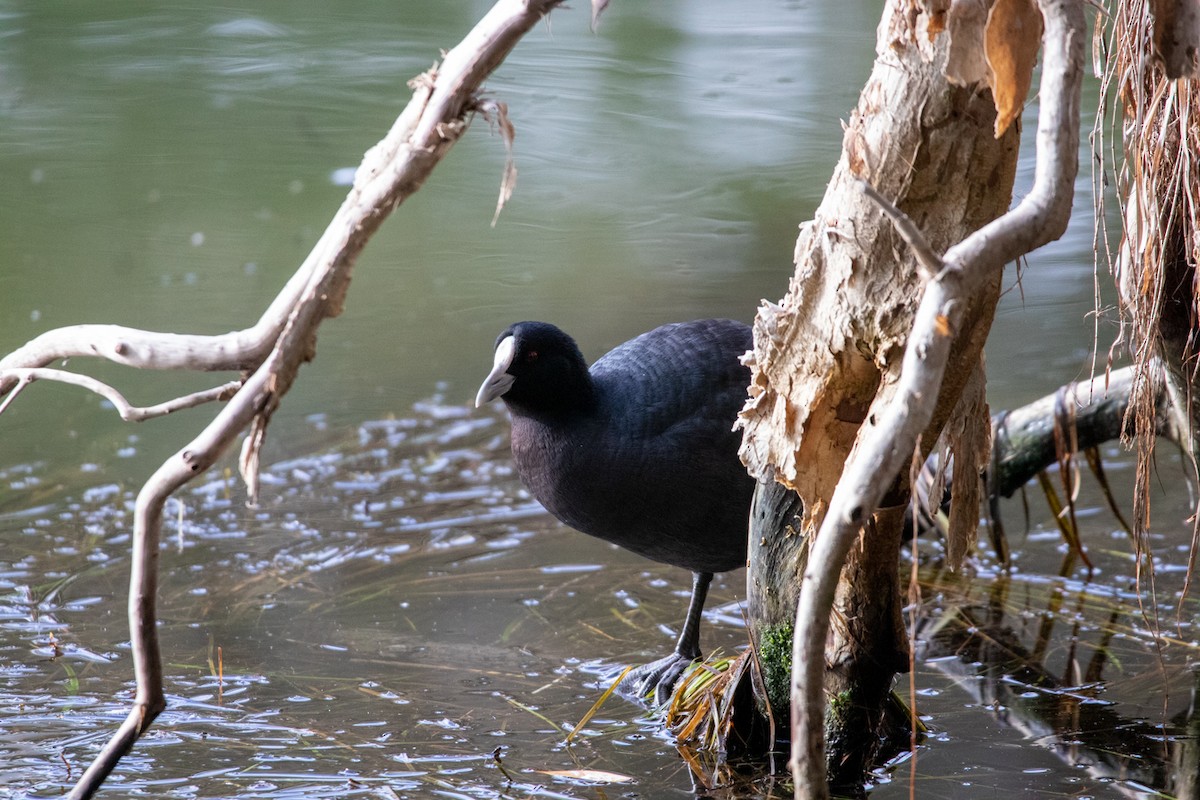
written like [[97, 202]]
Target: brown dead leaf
[[1011, 41], [497, 114]]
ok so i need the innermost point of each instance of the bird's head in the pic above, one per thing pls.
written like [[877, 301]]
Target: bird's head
[[538, 370]]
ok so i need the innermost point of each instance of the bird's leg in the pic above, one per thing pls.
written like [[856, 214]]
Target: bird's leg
[[659, 677], [688, 645]]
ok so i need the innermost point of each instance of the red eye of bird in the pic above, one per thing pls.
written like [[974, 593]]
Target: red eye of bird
[[532, 355]]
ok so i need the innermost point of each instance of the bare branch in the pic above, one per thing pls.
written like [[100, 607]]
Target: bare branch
[[128, 412], [390, 172], [12, 395], [884, 447], [143, 349], [927, 257]]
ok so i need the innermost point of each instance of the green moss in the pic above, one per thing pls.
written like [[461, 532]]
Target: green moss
[[844, 726], [775, 652], [838, 705]]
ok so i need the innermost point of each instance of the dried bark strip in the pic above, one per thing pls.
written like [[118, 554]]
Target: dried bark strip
[[1158, 265]]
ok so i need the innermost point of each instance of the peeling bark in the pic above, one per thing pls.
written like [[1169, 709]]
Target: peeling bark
[[899, 417], [1157, 266], [857, 364], [834, 344]]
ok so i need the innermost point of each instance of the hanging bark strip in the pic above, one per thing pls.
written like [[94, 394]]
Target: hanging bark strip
[[270, 352], [1153, 72]]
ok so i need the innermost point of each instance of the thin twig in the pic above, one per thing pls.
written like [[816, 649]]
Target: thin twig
[[128, 412], [390, 172], [926, 256]]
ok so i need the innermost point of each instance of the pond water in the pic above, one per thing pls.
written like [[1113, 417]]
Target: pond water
[[396, 608]]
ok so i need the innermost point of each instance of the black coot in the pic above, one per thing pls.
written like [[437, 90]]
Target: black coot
[[639, 450]]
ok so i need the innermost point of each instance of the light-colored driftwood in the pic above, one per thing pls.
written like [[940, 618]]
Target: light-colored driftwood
[[270, 352], [888, 440]]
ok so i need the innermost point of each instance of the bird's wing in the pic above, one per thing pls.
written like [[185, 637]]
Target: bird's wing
[[686, 374]]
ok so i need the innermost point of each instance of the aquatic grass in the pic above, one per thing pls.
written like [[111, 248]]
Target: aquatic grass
[[591, 712], [1096, 465], [700, 709], [515, 703], [1104, 628], [1064, 517]]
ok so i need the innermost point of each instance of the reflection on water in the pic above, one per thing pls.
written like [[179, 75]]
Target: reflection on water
[[1059, 699], [396, 609], [393, 614]]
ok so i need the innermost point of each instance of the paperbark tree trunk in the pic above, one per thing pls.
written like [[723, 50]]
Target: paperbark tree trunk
[[833, 346]]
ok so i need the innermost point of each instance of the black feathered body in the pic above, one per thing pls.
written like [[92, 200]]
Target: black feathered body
[[648, 458]]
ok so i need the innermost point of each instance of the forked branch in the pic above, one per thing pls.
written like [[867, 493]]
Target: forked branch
[[128, 411], [270, 352]]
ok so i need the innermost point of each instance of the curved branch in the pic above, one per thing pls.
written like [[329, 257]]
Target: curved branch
[[140, 349], [883, 448], [128, 412], [389, 173]]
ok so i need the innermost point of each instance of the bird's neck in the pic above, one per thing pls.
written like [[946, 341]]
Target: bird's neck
[[557, 404]]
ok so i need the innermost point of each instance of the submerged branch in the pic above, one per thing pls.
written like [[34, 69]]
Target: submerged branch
[[885, 446], [1024, 437]]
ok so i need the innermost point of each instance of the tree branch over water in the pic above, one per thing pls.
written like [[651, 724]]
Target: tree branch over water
[[270, 352], [129, 412]]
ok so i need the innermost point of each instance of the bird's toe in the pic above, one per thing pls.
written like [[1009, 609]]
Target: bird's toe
[[655, 681]]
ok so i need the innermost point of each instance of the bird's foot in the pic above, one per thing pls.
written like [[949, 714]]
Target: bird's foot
[[656, 680]]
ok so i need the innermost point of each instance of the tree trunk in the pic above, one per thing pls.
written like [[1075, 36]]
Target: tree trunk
[[1025, 441], [833, 345]]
